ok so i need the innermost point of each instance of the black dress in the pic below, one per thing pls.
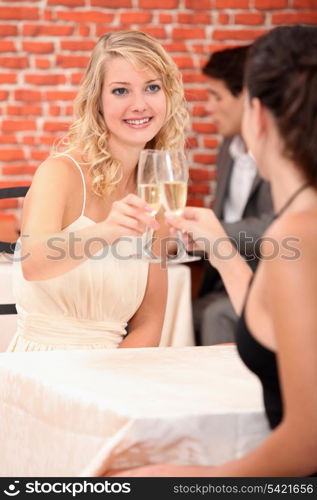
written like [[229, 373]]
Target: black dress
[[261, 361]]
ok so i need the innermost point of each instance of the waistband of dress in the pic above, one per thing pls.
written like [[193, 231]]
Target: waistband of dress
[[67, 330]]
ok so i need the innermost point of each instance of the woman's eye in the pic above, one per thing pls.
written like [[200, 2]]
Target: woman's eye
[[120, 91], [153, 87]]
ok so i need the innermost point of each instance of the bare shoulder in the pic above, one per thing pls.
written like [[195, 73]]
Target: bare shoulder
[[289, 249], [56, 181]]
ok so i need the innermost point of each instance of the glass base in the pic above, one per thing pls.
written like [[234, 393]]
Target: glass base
[[155, 260], [182, 259]]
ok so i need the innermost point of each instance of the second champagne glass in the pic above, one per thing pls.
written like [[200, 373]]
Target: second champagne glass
[[172, 175]]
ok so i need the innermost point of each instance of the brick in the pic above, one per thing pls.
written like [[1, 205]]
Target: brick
[[38, 47], [19, 13], [270, 4], [191, 142], [250, 18], [188, 33], [27, 95], [76, 78], [80, 45], [8, 78], [72, 61], [200, 174], [204, 128], [175, 47], [156, 31], [200, 18], [304, 4], [135, 17], [42, 63], [199, 111], [69, 110], [18, 125], [165, 18], [44, 79], [47, 30], [29, 110], [158, 4], [4, 95], [206, 159], [6, 184], [194, 77], [7, 46], [60, 95], [223, 18], [29, 140], [14, 62], [8, 139], [11, 154], [211, 143], [184, 62], [4, 204], [199, 4], [196, 94], [232, 4], [85, 16], [67, 3], [193, 201], [39, 155], [8, 30], [19, 170], [83, 30], [48, 140], [237, 34], [55, 126], [54, 110], [292, 17], [198, 188], [111, 3]]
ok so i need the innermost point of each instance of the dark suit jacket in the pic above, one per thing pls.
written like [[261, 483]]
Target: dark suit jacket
[[257, 215]]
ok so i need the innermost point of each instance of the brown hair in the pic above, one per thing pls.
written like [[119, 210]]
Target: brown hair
[[282, 72]]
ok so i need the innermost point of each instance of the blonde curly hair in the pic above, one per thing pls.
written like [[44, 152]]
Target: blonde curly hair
[[89, 133]]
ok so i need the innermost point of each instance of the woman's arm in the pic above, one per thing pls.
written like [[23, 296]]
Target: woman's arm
[[203, 227], [291, 449], [145, 327], [46, 250]]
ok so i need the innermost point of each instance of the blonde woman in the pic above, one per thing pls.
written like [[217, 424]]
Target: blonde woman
[[75, 286]]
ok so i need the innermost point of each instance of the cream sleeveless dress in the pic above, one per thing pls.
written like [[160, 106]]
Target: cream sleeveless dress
[[86, 308]]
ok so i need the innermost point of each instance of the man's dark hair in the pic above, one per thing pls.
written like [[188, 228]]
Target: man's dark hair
[[228, 65]]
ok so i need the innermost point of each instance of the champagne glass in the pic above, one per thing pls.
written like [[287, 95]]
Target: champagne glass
[[172, 176], [148, 190]]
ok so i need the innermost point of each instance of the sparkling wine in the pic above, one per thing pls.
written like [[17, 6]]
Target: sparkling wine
[[174, 195], [150, 194]]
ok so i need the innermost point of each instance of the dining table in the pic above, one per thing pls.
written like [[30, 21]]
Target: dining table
[[83, 413]]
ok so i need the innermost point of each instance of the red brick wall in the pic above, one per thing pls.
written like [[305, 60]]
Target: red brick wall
[[45, 45]]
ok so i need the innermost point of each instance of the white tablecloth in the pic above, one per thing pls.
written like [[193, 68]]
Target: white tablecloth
[[177, 330], [70, 413]]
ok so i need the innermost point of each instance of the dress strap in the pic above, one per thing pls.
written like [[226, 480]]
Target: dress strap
[[82, 177]]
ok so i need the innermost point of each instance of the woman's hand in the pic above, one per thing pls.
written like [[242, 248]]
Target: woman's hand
[[200, 226], [128, 217]]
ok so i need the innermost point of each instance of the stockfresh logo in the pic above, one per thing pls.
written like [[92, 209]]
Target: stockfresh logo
[[12, 490]]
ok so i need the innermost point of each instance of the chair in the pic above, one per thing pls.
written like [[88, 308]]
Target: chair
[[8, 247]]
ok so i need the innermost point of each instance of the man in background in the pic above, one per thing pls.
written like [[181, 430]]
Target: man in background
[[242, 200]]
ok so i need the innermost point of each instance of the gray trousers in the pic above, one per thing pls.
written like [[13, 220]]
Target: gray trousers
[[214, 318]]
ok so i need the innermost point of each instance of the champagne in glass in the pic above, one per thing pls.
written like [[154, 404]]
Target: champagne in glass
[[172, 174], [148, 190]]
